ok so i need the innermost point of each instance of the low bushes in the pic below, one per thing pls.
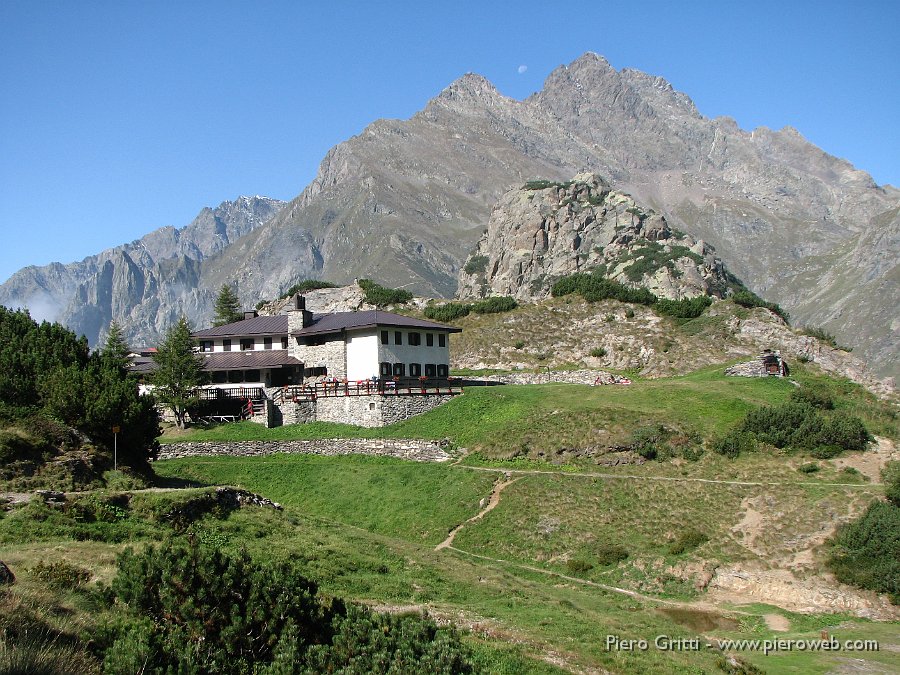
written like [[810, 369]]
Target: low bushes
[[306, 285], [189, 608], [594, 287], [747, 298], [450, 311], [866, 552], [797, 425], [687, 308], [380, 296]]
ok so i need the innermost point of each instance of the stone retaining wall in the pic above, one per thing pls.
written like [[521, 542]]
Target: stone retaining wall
[[567, 376], [412, 449]]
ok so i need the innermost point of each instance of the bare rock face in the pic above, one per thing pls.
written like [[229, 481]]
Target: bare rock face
[[146, 285], [545, 230], [405, 201]]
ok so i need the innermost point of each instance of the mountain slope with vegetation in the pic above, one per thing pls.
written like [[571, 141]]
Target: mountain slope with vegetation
[[405, 202]]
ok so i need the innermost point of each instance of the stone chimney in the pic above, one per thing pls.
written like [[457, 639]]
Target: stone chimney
[[251, 314], [298, 316]]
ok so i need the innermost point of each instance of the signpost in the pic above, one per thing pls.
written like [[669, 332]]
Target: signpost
[[115, 431]]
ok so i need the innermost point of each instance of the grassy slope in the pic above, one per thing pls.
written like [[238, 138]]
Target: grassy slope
[[542, 520], [365, 527]]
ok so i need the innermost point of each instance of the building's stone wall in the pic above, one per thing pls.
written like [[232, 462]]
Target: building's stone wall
[[399, 408], [412, 449], [363, 411], [375, 410], [266, 415], [291, 412], [332, 354]]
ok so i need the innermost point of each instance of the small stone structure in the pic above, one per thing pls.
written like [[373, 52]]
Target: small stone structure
[[413, 449], [767, 364]]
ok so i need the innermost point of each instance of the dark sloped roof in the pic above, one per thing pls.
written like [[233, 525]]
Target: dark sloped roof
[[249, 360], [341, 321], [260, 325], [322, 323], [267, 358]]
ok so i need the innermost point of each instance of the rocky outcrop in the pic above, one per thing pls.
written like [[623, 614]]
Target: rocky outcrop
[[405, 201], [545, 230]]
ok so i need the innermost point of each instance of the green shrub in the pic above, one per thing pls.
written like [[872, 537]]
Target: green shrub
[[378, 295], [476, 264], [890, 474], [302, 287], [789, 424], [190, 608], [629, 313], [449, 311], [495, 305], [610, 554], [686, 541], [820, 334], [654, 256], [817, 398], [648, 441], [826, 451], [598, 352], [688, 308], [366, 642], [747, 298], [578, 566], [595, 287], [735, 443], [809, 467], [844, 431], [866, 552], [61, 575]]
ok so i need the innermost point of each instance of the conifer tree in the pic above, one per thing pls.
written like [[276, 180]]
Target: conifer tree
[[228, 307], [179, 371], [115, 351]]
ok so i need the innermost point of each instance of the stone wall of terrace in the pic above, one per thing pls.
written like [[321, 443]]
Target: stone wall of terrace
[[411, 449]]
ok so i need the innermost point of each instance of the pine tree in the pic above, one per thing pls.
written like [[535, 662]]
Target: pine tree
[[228, 307], [179, 370], [115, 351]]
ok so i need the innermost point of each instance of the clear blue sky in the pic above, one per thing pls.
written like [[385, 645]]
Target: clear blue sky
[[118, 117]]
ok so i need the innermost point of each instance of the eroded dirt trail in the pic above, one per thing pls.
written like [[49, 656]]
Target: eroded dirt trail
[[493, 501]]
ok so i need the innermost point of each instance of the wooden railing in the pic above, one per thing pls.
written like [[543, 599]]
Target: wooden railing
[[401, 387], [216, 393]]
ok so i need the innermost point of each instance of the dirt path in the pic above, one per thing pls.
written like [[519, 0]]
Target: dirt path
[[493, 501], [671, 479], [870, 462]]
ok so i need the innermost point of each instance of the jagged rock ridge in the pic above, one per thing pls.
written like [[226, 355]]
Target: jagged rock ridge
[[405, 202], [145, 285], [545, 230]]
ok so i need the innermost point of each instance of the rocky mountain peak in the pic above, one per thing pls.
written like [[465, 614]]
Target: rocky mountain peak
[[547, 229]]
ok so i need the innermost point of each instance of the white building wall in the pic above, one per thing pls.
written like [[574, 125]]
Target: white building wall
[[362, 354], [406, 353], [258, 343]]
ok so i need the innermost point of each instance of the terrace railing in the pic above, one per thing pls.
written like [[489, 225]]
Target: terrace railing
[[399, 387]]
